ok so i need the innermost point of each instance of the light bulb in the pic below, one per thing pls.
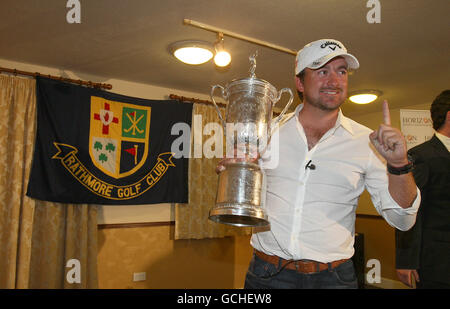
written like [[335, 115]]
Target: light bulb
[[222, 58]]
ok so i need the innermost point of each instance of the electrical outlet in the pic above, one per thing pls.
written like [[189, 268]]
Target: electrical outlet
[[139, 276]]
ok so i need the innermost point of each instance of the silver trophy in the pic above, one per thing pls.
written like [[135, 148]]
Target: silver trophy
[[247, 126]]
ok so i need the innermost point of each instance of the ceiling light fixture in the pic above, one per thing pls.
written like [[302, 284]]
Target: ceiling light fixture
[[222, 57], [192, 52], [198, 52], [235, 35], [364, 96]]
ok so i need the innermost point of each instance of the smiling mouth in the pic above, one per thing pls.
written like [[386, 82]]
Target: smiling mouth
[[330, 91]]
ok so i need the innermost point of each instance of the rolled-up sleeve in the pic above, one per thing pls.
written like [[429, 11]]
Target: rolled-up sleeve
[[398, 217], [377, 185]]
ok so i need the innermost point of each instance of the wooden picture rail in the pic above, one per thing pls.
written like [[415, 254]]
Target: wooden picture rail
[[200, 101], [60, 78]]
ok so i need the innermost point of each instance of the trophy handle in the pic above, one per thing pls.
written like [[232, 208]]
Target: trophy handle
[[288, 90], [215, 104]]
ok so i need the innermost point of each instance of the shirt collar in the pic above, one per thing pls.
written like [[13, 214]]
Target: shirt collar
[[444, 139], [340, 121], [344, 122]]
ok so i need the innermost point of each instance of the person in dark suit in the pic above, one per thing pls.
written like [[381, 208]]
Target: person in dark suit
[[423, 252]]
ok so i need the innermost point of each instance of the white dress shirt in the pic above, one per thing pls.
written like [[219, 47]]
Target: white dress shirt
[[312, 211], [444, 139]]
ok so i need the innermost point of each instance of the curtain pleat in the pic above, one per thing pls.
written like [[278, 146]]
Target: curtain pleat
[[37, 238]]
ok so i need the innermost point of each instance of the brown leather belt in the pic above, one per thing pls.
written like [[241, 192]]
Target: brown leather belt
[[305, 267]]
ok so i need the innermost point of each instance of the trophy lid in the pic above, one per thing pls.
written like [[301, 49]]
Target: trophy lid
[[252, 82], [252, 59]]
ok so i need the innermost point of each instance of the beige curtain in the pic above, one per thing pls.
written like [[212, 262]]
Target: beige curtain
[[37, 239], [191, 220]]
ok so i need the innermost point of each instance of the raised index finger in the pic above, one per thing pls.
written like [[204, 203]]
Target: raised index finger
[[386, 114]]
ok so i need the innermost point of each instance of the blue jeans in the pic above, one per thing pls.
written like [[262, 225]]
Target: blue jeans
[[264, 275]]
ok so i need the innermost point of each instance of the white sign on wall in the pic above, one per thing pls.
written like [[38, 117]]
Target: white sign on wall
[[416, 126]]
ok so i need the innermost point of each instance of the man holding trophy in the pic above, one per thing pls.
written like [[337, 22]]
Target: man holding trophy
[[325, 162]]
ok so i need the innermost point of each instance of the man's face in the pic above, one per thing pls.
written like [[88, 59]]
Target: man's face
[[326, 87]]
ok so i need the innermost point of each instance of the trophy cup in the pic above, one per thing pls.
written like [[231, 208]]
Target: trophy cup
[[239, 199]]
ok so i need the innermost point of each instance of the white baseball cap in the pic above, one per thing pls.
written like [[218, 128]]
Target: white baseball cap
[[318, 53]]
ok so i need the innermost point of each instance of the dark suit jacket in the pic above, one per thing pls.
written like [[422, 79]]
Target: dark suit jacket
[[426, 246]]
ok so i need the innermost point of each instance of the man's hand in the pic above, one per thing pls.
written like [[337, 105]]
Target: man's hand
[[221, 165], [389, 141], [408, 276], [238, 157], [391, 144]]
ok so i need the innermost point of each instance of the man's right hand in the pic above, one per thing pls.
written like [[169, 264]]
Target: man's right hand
[[238, 157], [407, 276], [221, 165]]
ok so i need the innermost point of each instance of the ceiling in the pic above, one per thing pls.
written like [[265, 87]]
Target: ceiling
[[406, 55]]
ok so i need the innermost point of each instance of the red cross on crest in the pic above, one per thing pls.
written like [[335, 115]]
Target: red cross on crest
[[106, 116]]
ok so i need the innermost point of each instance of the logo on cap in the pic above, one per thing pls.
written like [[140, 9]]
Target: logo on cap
[[331, 45]]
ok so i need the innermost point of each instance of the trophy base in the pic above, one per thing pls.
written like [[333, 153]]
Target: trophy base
[[239, 215]]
